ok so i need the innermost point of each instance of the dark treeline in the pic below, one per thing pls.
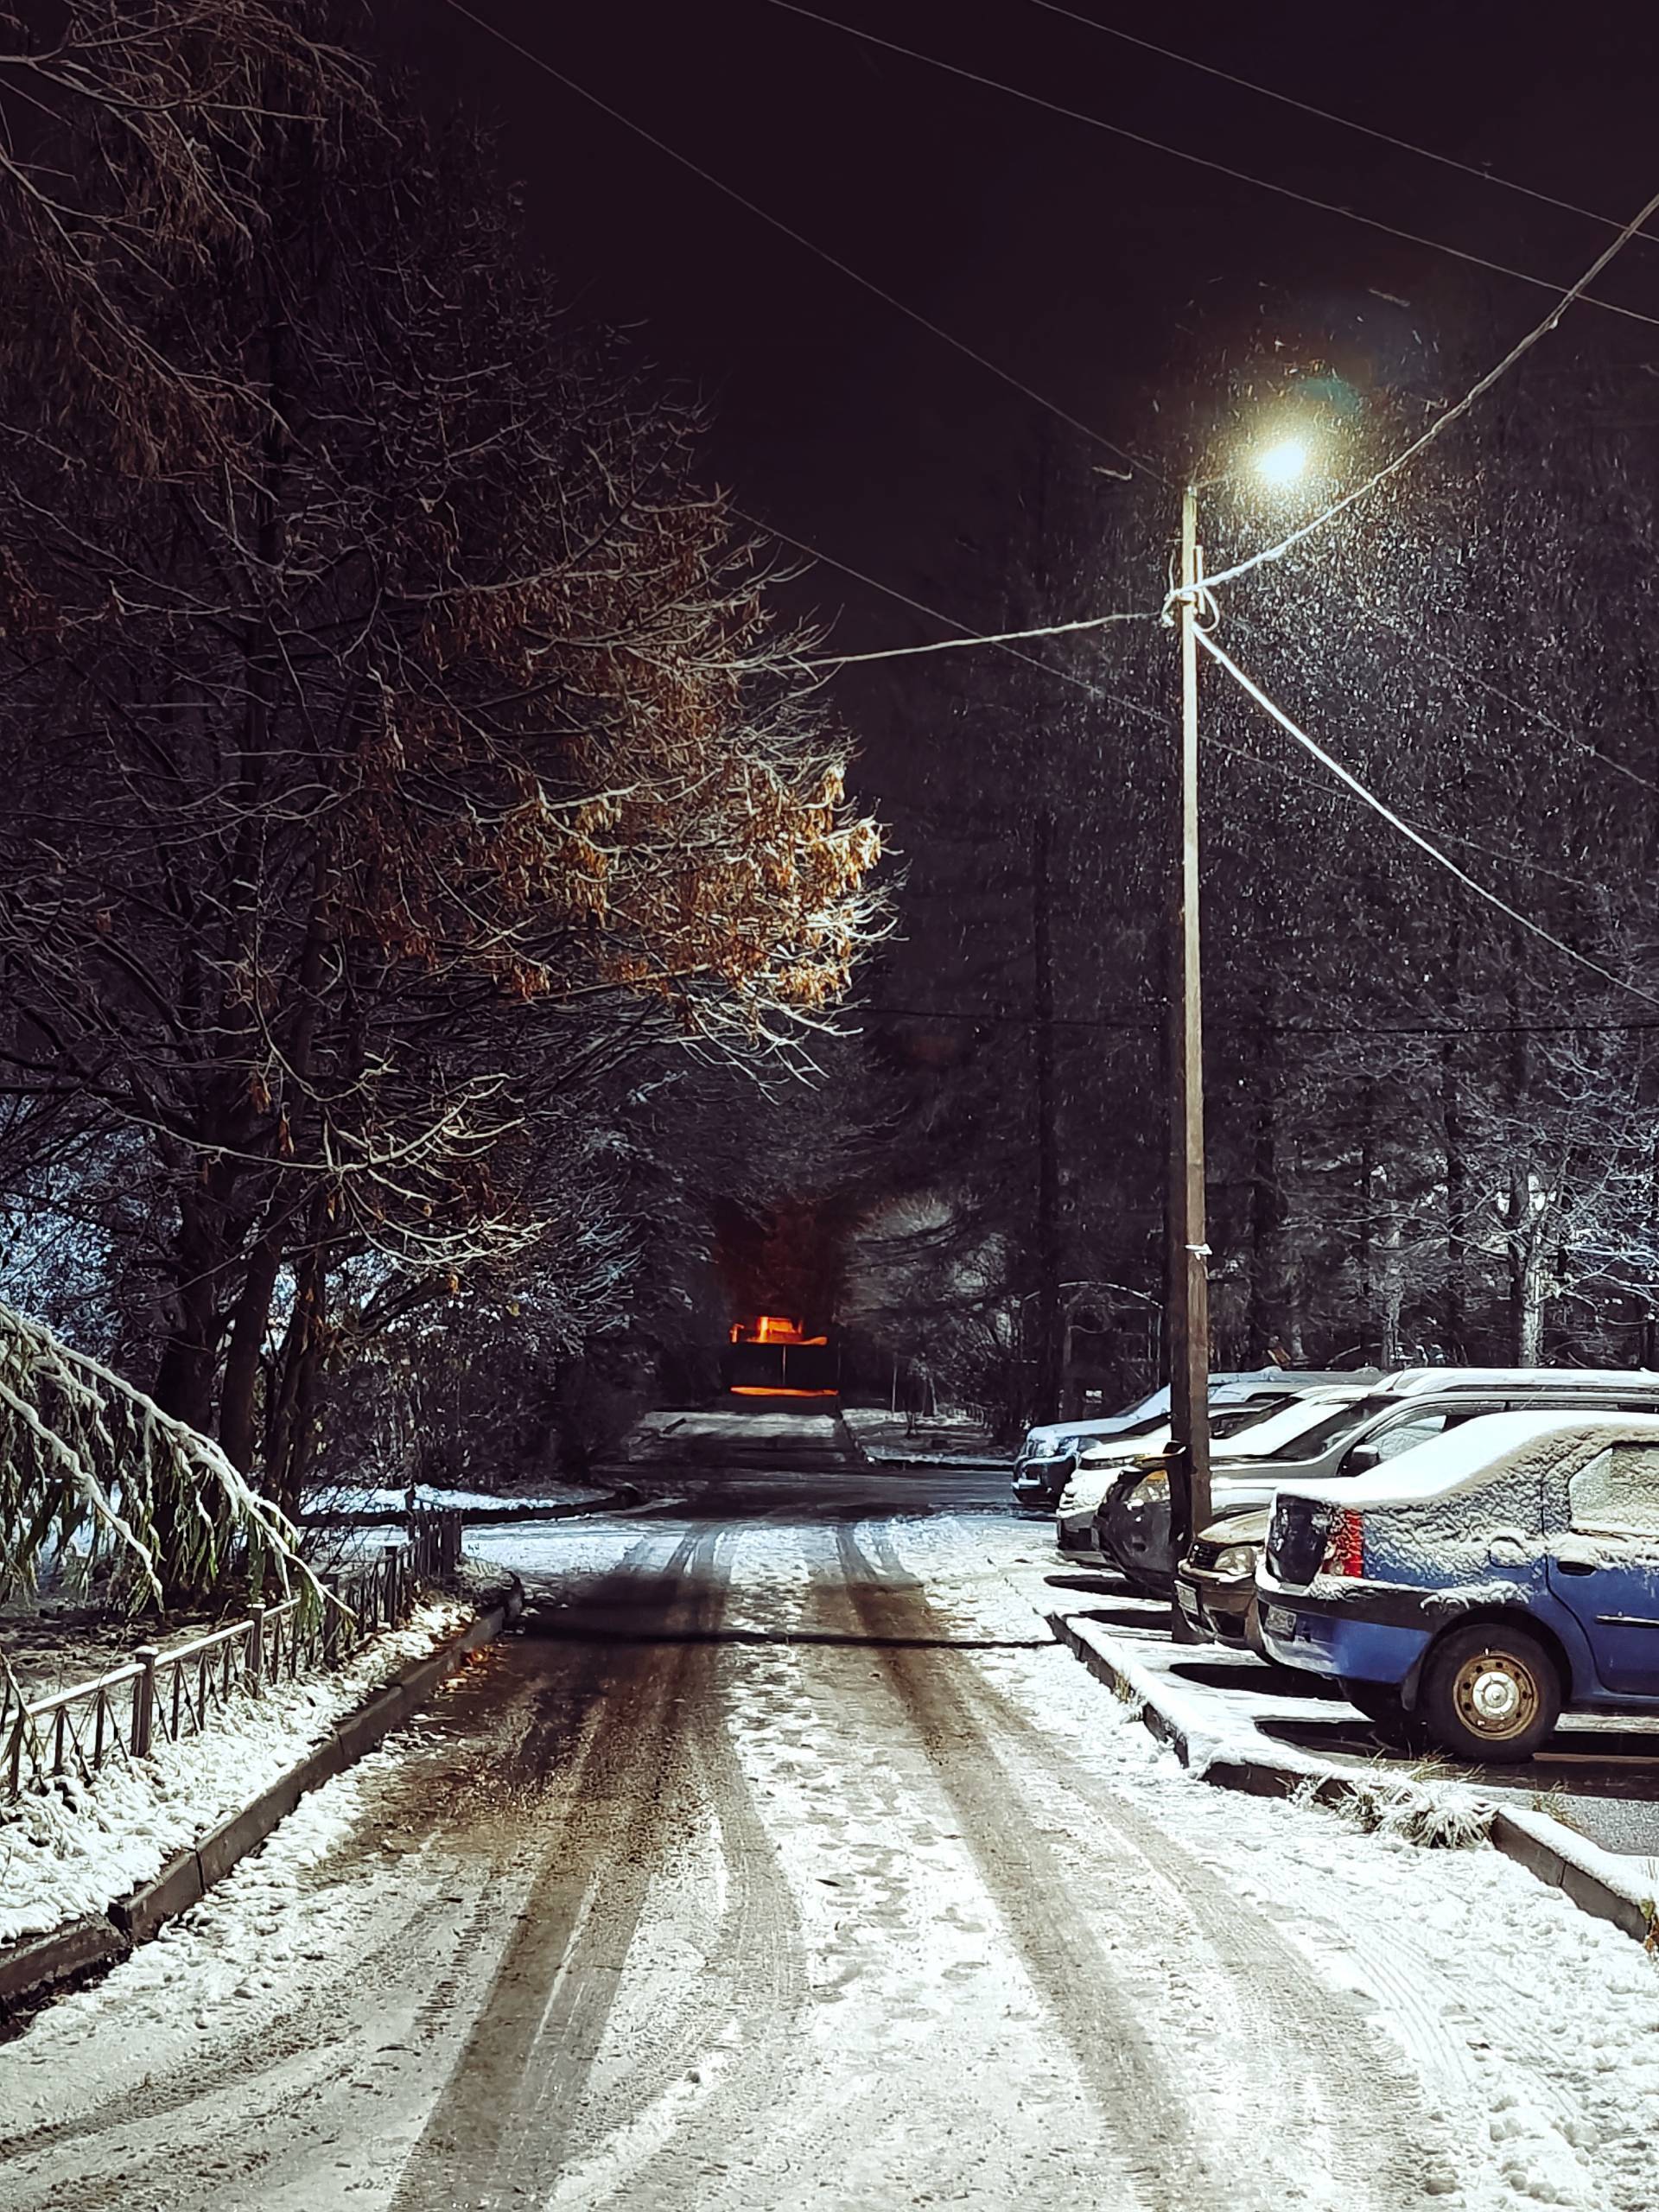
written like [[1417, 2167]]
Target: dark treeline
[[1432, 1135], [417, 831]]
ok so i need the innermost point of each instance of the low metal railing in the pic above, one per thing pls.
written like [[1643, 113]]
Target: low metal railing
[[158, 1697]]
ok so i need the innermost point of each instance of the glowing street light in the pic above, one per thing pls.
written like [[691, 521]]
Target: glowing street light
[[1282, 462]]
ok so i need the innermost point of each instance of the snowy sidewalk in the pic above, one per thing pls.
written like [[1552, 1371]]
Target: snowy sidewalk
[[946, 1442], [1583, 1816], [82, 1847]]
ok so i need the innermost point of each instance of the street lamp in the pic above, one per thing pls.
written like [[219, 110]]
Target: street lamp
[[1279, 464]]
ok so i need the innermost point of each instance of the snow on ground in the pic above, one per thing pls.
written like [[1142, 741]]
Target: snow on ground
[[721, 1423], [428, 1500], [1535, 2026], [1527, 2033], [542, 1552], [72, 1851], [884, 1437]]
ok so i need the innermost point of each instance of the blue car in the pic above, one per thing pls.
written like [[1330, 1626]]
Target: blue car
[[1476, 1586]]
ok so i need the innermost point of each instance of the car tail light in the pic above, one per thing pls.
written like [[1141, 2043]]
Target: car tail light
[[1345, 1544]]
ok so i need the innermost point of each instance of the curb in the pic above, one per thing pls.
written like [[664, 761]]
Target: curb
[[32, 1968], [609, 1500], [936, 1467], [1539, 1843]]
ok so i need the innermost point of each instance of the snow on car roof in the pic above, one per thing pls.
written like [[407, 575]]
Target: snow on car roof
[[1474, 1452], [1228, 1387], [1453, 1378]]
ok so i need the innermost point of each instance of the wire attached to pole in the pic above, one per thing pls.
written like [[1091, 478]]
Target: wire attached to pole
[[1346, 776], [1443, 423]]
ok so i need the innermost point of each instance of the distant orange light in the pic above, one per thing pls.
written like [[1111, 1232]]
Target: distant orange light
[[772, 1328], [777, 1390]]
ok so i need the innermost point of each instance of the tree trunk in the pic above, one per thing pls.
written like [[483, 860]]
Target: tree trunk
[[294, 1399], [1526, 1297], [1527, 1222], [1368, 1297], [185, 1374], [1049, 1376], [1266, 1323], [1453, 1137], [238, 1422]]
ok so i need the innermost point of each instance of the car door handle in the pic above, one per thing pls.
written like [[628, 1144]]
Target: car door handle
[[1576, 1566]]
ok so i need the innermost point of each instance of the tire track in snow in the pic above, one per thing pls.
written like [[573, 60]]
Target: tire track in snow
[[484, 1788], [1085, 1994], [736, 2063], [499, 2131], [1355, 2105]]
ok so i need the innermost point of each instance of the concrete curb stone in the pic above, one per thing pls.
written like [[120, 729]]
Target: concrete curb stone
[[624, 1496], [32, 1968], [1549, 1857]]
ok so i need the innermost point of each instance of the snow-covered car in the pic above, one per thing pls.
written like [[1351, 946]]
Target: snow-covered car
[[1402, 1411], [1049, 1452], [1482, 1582], [1245, 1423]]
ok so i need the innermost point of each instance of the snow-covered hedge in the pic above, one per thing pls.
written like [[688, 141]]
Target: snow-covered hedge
[[94, 1476]]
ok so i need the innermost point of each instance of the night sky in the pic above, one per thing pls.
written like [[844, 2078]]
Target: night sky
[[1065, 254]]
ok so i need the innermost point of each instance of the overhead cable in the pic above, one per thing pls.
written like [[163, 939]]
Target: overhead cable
[[1230, 1023], [1326, 115], [874, 583], [1521, 706], [1441, 423], [764, 215], [991, 637], [1522, 861], [1362, 791], [1198, 161]]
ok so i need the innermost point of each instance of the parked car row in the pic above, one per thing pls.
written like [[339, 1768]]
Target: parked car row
[[1051, 1453], [1465, 1551]]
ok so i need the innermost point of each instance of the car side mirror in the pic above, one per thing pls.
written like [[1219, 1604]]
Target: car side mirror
[[1361, 1461]]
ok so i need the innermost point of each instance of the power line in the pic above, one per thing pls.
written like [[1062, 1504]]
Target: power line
[[1131, 706], [1417, 838], [1198, 161], [993, 638], [1448, 837], [800, 238], [1441, 423], [1343, 122], [1519, 706], [1246, 1025], [920, 606]]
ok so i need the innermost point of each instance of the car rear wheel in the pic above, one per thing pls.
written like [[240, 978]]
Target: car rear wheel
[[1490, 1692]]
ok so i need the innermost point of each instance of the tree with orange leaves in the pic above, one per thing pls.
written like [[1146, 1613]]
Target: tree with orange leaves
[[399, 743]]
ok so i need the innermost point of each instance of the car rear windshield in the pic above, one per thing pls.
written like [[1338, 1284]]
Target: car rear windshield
[[1337, 1424]]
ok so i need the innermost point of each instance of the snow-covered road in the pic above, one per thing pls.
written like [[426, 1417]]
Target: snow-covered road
[[785, 1862]]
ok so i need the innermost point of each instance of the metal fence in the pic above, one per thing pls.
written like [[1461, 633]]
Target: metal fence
[[162, 1697]]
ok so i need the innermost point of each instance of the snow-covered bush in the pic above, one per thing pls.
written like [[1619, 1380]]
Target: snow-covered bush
[[97, 1479]]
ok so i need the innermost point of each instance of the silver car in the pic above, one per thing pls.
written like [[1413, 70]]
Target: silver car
[[1133, 1523]]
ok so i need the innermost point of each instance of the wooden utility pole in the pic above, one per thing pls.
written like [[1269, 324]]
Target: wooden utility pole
[[1050, 1353], [1188, 1270]]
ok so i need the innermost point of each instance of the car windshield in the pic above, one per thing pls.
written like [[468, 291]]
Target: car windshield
[[1308, 1443], [1228, 1421]]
